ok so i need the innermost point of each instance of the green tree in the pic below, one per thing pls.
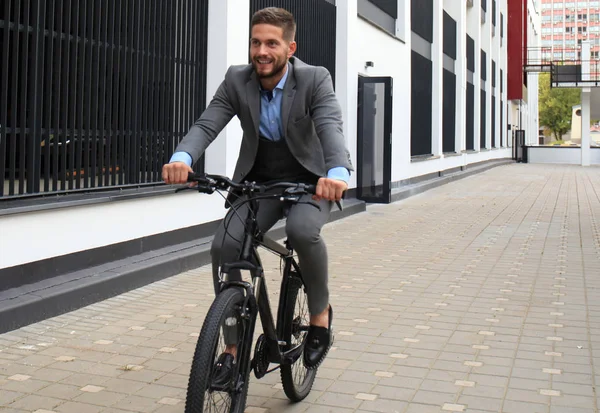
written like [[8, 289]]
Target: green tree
[[556, 106]]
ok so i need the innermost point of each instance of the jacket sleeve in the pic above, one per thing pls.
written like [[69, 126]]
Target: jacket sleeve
[[212, 121], [327, 119]]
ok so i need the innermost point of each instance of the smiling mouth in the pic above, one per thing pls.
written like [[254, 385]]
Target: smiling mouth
[[263, 62]]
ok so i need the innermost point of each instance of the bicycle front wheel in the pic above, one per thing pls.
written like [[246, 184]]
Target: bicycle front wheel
[[296, 379], [202, 395]]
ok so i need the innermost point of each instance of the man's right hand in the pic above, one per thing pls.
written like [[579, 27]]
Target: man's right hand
[[176, 173]]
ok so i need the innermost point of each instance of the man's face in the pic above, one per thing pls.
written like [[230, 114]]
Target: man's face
[[269, 52]]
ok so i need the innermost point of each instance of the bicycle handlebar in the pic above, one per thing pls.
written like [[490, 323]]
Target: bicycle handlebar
[[214, 182], [208, 183]]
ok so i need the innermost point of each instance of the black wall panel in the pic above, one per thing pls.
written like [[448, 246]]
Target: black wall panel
[[470, 54], [449, 113], [449, 36], [483, 65], [422, 18], [421, 106], [494, 143], [470, 115], [388, 6], [483, 120]]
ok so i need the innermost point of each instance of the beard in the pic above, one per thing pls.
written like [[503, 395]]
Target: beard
[[278, 66]]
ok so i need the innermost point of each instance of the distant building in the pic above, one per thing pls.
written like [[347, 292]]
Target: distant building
[[565, 24]]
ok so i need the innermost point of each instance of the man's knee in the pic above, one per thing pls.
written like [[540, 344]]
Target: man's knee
[[302, 233]]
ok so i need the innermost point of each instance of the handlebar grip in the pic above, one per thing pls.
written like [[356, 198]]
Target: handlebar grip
[[311, 189]]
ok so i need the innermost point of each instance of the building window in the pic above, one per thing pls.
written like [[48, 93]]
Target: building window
[[384, 13]]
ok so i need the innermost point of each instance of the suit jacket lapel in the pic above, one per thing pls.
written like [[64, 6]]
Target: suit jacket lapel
[[289, 91], [253, 96]]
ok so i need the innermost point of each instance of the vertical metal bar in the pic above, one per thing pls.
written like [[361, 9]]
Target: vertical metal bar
[[129, 122], [50, 135], [103, 75], [4, 96], [15, 100], [158, 92], [109, 163], [144, 92], [169, 80], [23, 96], [178, 28], [79, 147], [96, 93], [73, 134], [153, 64], [55, 124], [89, 96], [115, 64], [188, 66], [36, 82], [163, 107], [65, 93], [139, 87], [123, 84]]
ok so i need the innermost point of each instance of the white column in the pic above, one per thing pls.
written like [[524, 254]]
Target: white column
[[461, 80], [437, 59], [585, 127], [228, 28], [585, 104], [476, 35], [346, 75]]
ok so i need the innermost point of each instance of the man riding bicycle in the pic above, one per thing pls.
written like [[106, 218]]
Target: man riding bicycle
[[292, 131]]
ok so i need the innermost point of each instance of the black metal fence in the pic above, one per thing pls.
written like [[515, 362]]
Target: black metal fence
[[96, 93]]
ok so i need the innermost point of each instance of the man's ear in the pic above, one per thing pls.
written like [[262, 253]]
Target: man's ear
[[292, 48]]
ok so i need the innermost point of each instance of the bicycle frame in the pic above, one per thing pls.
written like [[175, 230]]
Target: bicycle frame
[[257, 294]]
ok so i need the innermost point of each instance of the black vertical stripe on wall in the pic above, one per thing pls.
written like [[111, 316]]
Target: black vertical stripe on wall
[[470, 117], [470, 54], [449, 113], [483, 108], [421, 105], [483, 65], [421, 18], [501, 81], [449, 36], [484, 5], [493, 73], [388, 6], [315, 31], [502, 141], [494, 145]]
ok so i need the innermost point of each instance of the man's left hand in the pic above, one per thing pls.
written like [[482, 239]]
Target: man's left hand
[[330, 189]]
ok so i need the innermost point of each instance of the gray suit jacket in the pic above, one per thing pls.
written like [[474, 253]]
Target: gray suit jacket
[[311, 118]]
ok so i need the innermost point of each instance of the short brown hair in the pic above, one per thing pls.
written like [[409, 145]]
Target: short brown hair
[[277, 17]]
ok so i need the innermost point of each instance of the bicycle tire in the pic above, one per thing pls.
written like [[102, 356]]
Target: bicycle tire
[[204, 355], [293, 390]]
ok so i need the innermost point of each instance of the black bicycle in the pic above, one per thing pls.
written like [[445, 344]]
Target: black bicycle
[[281, 343]]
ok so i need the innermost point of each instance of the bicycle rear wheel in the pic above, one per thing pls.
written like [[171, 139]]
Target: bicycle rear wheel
[[296, 379], [201, 395]]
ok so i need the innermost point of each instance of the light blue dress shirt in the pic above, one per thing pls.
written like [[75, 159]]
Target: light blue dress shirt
[[271, 127]]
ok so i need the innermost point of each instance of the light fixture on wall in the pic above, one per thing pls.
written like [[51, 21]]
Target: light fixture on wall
[[369, 64]]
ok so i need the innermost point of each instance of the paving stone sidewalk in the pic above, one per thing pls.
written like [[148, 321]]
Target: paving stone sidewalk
[[478, 296]]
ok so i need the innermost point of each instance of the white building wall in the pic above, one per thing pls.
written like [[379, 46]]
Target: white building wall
[[39, 235]]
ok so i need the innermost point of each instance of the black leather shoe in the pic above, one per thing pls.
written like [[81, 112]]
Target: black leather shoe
[[222, 371], [318, 343]]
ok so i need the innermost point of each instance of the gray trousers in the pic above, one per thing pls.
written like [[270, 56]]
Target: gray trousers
[[303, 230]]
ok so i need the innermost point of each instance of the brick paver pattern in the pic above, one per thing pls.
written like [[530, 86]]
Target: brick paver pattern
[[482, 295]]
